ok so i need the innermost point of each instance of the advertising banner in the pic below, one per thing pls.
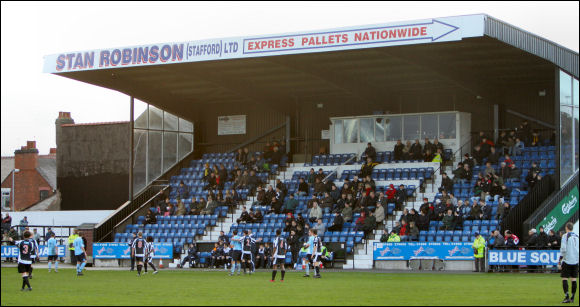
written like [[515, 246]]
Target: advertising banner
[[410, 250], [123, 251], [9, 251], [523, 257], [565, 209], [232, 124], [423, 31]]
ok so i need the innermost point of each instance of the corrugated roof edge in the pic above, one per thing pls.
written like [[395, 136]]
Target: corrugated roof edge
[[95, 124], [561, 56]]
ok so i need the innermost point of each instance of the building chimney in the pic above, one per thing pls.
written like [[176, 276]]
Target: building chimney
[[26, 158], [63, 119]]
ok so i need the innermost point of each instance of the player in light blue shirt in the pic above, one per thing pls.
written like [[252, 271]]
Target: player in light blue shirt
[[80, 254], [52, 253], [236, 241], [308, 259], [568, 262]]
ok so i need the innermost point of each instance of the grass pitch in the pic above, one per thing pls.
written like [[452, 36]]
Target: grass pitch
[[190, 287]]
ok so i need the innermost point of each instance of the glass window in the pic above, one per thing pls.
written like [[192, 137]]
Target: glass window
[[447, 126], [393, 128], [185, 144], [411, 127], [169, 149], [350, 131], [379, 129], [141, 120], [338, 131], [155, 118], [140, 161], [575, 125], [367, 133], [565, 89], [185, 126], [169, 122], [154, 155], [575, 92], [429, 126]]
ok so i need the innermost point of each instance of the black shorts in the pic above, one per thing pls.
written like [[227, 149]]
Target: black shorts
[[80, 258], [280, 260], [237, 255], [315, 258], [246, 257], [24, 268], [569, 271], [309, 258], [52, 258], [138, 259]]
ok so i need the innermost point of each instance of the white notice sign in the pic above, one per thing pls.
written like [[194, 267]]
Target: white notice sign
[[231, 124]]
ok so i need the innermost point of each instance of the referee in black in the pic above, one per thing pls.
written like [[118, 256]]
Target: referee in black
[[568, 262]]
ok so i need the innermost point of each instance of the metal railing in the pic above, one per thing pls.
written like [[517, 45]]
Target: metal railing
[[335, 171], [61, 232], [531, 202], [104, 231], [550, 203]]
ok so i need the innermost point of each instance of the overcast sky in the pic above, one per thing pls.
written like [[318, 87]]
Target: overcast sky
[[31, 99]]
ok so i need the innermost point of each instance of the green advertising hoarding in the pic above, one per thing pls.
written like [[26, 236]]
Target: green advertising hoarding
[[561, 213]]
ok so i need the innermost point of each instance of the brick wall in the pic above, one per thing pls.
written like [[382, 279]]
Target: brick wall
[[28, 185], [88, 234]]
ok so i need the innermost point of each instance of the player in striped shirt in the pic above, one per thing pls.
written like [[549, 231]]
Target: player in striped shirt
[[149, 254], [33, 254], [280, 247], [316, 252], [25, 249], [247, 243], [138, 251]]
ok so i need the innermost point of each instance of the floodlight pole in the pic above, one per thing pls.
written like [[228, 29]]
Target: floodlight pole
[[132, 149], [14, 189]]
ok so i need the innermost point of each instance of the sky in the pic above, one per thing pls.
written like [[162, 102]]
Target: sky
[[31, 100]]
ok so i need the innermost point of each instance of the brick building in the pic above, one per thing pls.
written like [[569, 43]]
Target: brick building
[[35, 182]]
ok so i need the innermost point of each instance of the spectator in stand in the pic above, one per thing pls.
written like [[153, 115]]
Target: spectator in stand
[[502, 142], [303, 189], [488, 169], [458, 173], [315, 213], [394, 237], [485, 210], [320, 226], [319, 186], [446, 183], [49, 234], [486, 145], [391, 194], [253, 182], [428, 147], [347, 212], [535, 141], [463, 210], [191, 256], [379, 213], [384, 236], [370, 152], [438, 145], [276, 205], [428, 156], [370, 224], [553, 240], [448, 221], [7, 222], [150, 218], [496, 240], [413, 231], [532, 178], [406, 151], [359, 223], [511, 240], [398, 151], [223, 175], [478, 154], [367, 168], [210, 207], [515, 173], [244, 217], [300, 221], [475, 211], [518, 148], [276, 156], [423, 220], [404, 231], [437, 157], [180, 211], [290, 204], [23, 224], [416, 152], [336, 223], [327, 201], [543, 239], [493, 156], [469, 160], [320, 175]]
